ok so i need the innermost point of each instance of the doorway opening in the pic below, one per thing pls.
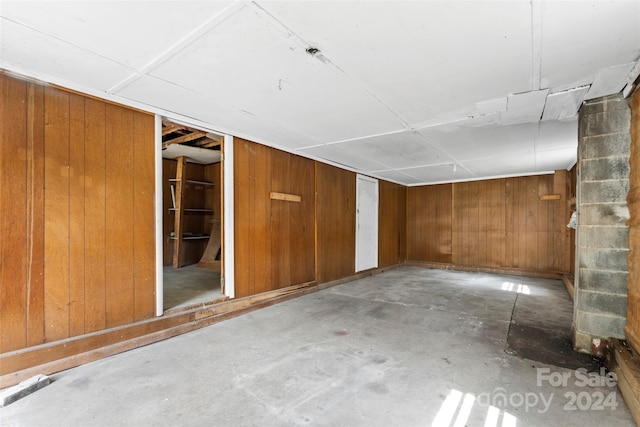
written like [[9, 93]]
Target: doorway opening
[[192, 216]]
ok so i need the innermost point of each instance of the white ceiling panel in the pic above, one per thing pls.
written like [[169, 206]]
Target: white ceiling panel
[[468, 143], [143, 30], [398, 176], [438, 173], [341, 157], [268, 73], [609, 80], [170, 97], [520, 164], [32, 50], [404, 52], [564, 105], [580, 38], [398, 150], [524, 107], [550, 160], [490, 107], [555, 135]]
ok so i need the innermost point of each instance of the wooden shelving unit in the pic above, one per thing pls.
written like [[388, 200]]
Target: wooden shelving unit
[[182, 186]]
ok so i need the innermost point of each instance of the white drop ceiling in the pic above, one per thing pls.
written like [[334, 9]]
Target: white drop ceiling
[[398, 90]]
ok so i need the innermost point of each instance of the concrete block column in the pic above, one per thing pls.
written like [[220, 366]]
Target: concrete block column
[[602, 234]]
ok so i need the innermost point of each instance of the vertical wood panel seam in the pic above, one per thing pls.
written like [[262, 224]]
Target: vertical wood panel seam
[[69, 217], [104, 287], [133, 219], [84, 215], [28, 216]]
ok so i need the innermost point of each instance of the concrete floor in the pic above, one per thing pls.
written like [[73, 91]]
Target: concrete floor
[[189, 286], [409, 347]]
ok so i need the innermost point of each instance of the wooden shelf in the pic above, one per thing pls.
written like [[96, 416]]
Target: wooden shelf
[[180, 186], [188, 237], [193, 210], [191, 181]]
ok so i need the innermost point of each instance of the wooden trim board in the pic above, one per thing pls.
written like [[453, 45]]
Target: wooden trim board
[[286, 197]]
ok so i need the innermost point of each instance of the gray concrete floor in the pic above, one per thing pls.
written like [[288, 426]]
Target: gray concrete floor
[[190, 285], [409, 347]]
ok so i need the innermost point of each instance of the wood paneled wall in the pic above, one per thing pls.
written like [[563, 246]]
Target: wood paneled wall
[[392, 213], [274, 239], [632, 327], [336, 222], [498, 223], [429, 218], [77, 251]]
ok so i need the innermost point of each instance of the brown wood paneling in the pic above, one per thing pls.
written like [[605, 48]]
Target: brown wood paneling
[[261, 184], [35, 215], [391, 224], [144, 212], [302, 218], [496, 220], [55, 159], [119, 216], [95, 221], [335, 222], [281, 219], [429, 216], [499, 223], [13, 209], [56, 206], [444, 238], [274, 244], [76, 215]]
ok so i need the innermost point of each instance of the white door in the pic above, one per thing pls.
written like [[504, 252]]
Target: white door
[[366, 223]]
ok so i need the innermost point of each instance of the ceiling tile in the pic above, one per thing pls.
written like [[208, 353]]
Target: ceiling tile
[[558, 134], [565, 104], [418, 56], [252, 62], [524, 107], [438, 173], [609, 80], [397, 176], [490, 107], [31, 50], [341, 157], [398, 150], [131, 32], [468, 143], [172, 98], [550, 160], [580, 38], [524, 163]]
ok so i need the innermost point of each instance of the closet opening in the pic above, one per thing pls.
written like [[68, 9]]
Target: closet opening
[[192, 193]]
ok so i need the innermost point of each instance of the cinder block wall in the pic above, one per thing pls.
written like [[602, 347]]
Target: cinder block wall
[[603, 236]]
